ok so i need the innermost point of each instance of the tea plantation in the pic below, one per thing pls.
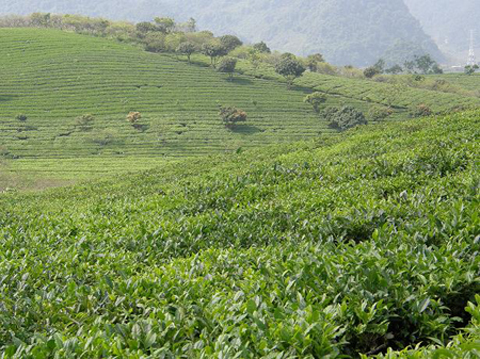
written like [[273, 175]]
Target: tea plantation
[[53, 77], [365, 243], [50, 78]]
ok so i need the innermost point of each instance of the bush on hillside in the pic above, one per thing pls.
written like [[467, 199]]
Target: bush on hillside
[[231, 116], [344, 118], [421, 110], [228, 66], [316, 100], [371, 72], [21, 117], [133, 117], [378, 113]]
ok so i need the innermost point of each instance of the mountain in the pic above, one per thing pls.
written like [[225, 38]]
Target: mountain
[[448, 22], [346, 32]]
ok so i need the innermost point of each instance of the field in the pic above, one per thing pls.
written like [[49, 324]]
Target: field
[[344, 245], [53, 77]]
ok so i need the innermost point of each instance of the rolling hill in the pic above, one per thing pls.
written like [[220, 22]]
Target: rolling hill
[[332, 248], [347, 33], [53, 77]]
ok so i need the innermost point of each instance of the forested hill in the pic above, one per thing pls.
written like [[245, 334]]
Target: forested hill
[[346, 32], [448, 20]]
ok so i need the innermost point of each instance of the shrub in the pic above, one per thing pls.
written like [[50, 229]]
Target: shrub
[[228, 66], [133, 117], [84, 122], [421, 110], [315, 99], [344, 118], [378, 113], [21, 117], [371, 71], [231, 116]]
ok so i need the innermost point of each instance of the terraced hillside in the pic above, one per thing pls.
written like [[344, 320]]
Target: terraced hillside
[[53, 77], [326, 249]]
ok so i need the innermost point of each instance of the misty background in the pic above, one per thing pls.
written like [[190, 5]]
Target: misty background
[[347, 32]]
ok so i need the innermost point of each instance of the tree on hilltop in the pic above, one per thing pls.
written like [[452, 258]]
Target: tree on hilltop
[[290, 69]]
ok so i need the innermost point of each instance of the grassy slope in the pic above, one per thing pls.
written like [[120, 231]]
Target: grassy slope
[[402, 98], [311, 250], [53, 77]]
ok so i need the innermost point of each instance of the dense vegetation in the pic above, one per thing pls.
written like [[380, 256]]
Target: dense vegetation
[[341, 246], [346, 33]]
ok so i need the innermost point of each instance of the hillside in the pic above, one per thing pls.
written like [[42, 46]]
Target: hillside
[[347, 33], [341, 246], [449, 21], [53, 77]]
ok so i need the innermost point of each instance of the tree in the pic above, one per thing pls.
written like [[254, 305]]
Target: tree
[[84, 122], [213, 51], [21, 117], [255, 59], [426, 65], [290, 69], [470, 70], [155, 42], [313, 61], [262, 48], [394, 70], [145, 27], [316, 99], [231, 116], [371, 72], [186, 48], [230, 42], [228, 66], [165, 24], [344, 118], [380, 65]]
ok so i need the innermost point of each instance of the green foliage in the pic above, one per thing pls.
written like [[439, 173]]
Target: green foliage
[[21, 117], [371, 71], [213, 51], [313, 61], [262, 48], [230, 42], [344, 118], [316, 100], [326, 249], [231, 116], [187, 48], [470, 70], [289, 68], [227, 65]]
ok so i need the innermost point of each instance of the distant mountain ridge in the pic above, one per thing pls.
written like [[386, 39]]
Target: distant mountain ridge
[[448, 22], [347, 33]]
